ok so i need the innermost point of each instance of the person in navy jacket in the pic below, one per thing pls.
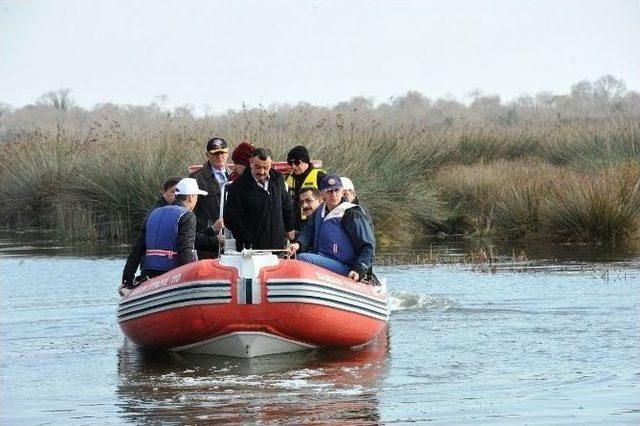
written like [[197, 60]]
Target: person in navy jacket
[[339, 237], [167, 237]]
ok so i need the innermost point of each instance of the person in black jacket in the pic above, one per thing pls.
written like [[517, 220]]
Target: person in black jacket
[[211, 177], [168, 195], [303, 176], [258, 210], [167, 238]]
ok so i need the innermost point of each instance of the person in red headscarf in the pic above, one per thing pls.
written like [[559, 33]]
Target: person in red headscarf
[[240, 158]]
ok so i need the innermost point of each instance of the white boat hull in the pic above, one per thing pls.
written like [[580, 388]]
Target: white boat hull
[[245, 344]]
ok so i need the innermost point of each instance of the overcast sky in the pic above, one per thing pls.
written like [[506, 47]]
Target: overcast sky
[[223, 53]]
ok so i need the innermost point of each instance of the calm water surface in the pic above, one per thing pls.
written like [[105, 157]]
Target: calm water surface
[[551, 344]]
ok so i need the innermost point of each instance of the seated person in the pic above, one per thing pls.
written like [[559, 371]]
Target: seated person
[[310, 200], [167, 237], [338, 237]]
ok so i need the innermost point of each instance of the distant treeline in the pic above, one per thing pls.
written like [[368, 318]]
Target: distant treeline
[[547, 167]]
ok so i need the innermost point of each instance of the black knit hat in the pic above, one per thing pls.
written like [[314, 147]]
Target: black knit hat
[[299, 153]]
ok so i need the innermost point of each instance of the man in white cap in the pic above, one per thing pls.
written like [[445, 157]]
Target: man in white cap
[[167, 237]]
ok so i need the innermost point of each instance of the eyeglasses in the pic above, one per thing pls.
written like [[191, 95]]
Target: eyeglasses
[[292, 162]]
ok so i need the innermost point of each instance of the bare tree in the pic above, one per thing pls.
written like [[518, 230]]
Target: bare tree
[[58, 99]]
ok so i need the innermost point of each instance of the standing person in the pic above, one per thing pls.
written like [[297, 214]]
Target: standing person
[[240, 157], [211, 177], [258, 210], [167, 238], [340, 238], [303, 175], [168, 191]]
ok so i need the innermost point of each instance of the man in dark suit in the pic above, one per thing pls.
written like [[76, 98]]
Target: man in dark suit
[[211, 177]]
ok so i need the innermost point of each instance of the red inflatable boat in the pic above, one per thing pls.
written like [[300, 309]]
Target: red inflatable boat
[[252, 303]]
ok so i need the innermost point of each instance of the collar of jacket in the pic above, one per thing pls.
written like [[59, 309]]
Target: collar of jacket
[[300, 178]]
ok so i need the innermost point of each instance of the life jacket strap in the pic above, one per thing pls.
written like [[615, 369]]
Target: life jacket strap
[[164, 253]]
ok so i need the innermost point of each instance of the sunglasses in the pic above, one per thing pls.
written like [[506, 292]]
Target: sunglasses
[[292, 162]]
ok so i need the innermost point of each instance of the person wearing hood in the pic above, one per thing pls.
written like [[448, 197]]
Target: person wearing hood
[[351, 196], [240, 158]]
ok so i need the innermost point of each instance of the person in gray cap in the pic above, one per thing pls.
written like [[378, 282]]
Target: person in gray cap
[[167, 237]]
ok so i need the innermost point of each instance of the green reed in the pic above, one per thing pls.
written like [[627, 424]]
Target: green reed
[[555, 179]]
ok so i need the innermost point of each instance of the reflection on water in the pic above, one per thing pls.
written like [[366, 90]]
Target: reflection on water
[[545, 253], [46, 243], [316, 386]]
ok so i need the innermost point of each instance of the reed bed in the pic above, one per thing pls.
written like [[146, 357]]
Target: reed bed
[[540, 201], [560, 180]]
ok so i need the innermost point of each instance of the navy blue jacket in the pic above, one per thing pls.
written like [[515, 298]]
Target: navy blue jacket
[[360, 231], [185, 242]]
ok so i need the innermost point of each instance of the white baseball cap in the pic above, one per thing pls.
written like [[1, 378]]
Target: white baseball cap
[[189, 186], [347, 184]]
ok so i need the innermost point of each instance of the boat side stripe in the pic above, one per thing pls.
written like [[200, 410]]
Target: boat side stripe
[[179, 292], [306, 290], [174, 305], [174, 298], [276, 297], [323, 285], [332, 303], [194, 284], [214, 299]]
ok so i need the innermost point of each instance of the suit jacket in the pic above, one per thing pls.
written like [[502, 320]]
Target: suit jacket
[[207, 210], [257, 218]]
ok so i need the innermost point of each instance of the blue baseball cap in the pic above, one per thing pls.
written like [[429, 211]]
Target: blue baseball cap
[[330, 181]]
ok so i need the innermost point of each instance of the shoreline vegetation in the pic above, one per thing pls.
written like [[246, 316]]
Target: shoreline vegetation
[[562, 168]]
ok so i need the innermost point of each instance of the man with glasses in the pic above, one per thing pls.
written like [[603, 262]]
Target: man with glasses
[[310, 200], [303, 175], [211, 177], [340, 238]]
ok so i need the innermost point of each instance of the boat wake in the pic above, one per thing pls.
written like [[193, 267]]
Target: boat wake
[[403, 301]]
